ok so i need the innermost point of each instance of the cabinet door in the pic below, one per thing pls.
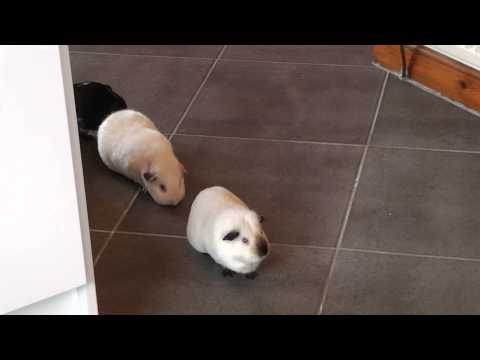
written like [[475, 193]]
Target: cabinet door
[[42, 212]]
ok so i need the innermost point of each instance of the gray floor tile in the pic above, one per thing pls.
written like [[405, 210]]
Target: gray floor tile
[[158, 275], [284, 101], [108, 193], [417, 201], [408, 201], [301, 189], [207, 51], [322, 54], [161, 88], [390, 284], [412, 117]]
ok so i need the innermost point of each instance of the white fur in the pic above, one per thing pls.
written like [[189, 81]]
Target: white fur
[[215, 212], [129, 143]]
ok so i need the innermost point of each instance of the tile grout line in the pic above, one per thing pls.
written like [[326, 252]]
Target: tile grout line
[[271, 140], [195, 96], [422, 256], [141, 55], [137, 233], [327, 143], [117, 224], [351, 200], [331, 248], [172, 134], [366, 66], [103, 53], [410, 148]]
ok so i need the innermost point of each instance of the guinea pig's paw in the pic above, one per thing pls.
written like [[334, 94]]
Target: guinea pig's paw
[[227, 272], [251, 275]]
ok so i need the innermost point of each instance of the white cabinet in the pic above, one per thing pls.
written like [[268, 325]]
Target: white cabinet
[[44, 238]]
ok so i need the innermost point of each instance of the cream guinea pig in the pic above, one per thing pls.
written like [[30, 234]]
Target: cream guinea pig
[[129, 143], [222, 226]]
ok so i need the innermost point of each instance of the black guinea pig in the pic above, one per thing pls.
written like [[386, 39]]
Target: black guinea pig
[[93, 103]]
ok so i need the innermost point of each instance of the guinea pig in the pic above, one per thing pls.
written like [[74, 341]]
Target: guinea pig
[[93, 103], [129, 143], [222, 226]]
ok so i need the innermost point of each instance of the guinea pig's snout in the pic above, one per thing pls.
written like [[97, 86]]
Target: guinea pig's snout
[[178, 197], [176, 202], [262, 247]]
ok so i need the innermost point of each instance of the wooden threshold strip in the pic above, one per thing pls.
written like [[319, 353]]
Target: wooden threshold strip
[[452, 79]]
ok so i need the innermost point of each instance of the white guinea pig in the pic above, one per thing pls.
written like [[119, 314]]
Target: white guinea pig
[[222, 226], [129, 143]]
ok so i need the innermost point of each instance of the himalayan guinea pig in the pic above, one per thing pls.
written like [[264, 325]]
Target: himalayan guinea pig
[[129, 143], [93, 103], [222, 226]]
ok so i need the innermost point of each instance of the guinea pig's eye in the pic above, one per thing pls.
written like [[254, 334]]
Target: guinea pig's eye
[[245, 240], [163, 188]]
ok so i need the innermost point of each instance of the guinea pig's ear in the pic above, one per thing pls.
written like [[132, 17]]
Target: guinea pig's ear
[[149, 176], [231, 235], [261, 218], [183, 168]]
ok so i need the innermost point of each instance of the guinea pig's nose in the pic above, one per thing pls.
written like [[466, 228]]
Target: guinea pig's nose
[[262, 247]]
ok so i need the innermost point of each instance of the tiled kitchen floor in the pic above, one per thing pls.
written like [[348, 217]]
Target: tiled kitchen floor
[[292, 130]]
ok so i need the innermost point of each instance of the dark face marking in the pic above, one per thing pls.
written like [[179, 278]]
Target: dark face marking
[[163, 188], [262, 247], [231, 235], [149, 176]]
